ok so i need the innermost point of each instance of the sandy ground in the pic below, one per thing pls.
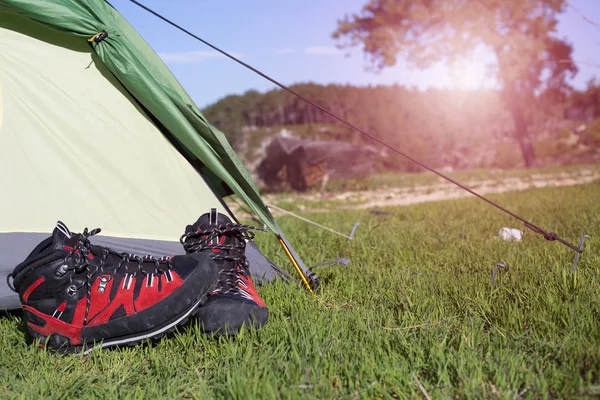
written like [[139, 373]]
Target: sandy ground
[[440, 191]]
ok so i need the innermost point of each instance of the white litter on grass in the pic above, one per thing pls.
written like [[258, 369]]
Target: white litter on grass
[[509, 234]]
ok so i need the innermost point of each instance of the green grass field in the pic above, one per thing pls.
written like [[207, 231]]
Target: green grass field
[[415, 306]]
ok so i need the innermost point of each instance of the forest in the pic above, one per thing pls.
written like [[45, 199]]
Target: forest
[[444, 127]]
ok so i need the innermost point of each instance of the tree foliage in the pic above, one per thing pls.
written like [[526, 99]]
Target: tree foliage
[[585, 104], [521, 34]]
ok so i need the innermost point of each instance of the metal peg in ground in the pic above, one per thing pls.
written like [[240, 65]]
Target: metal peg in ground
[[577, 255], [495, 271]]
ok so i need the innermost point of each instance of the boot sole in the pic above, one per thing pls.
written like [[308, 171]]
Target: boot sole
[[228, 331], [231, 326], [131, 340]]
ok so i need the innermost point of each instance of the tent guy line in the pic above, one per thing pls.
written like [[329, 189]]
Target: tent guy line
[[314, 223], [547, 235]]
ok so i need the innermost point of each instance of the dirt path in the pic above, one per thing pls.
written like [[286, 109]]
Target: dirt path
[[366, 199]]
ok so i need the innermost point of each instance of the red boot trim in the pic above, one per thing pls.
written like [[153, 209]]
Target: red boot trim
[[31, 288], [54, 325]]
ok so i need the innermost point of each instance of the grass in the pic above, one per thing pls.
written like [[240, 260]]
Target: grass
[[414, 306]]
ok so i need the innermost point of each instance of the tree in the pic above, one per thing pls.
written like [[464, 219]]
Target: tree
[[521, 33], [585, 104]]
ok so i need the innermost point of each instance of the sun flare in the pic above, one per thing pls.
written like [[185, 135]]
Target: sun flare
[[468, 73]]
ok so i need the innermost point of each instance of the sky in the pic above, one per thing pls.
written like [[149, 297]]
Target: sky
[[291, 41]]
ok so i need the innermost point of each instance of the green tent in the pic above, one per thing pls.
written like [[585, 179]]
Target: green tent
[[96, 131]]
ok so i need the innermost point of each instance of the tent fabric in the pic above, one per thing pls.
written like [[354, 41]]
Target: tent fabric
[[139, 69], [75, 146], [262, 269]]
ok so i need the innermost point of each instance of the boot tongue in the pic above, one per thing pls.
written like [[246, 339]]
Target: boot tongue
[[62, 238], [209, 221]]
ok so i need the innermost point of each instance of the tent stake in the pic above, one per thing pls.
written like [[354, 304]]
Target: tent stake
[[576, 260]]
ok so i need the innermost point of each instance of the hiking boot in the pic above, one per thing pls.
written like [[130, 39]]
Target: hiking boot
[[77, 296], [235, 300]]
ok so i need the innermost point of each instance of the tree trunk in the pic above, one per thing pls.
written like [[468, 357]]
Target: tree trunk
[[514, 100], [522, 135]]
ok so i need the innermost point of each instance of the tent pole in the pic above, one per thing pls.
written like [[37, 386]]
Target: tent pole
[[309, 278], [296, 266]]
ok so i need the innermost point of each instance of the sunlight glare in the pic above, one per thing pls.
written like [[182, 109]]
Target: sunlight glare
[[468, 73]]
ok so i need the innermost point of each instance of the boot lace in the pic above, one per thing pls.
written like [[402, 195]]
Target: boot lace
[[81, 253], [235, 251]]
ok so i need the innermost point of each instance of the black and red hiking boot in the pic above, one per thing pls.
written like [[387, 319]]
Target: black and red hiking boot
[[77, 296], [235, 301]]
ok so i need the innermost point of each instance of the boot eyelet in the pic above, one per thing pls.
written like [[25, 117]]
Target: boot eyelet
[[102, 284], [71, 290], [62, 270]]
